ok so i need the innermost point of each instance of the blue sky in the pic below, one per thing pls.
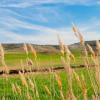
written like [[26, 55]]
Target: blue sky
[[39, 21]]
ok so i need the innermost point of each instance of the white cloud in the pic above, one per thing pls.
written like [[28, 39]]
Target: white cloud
[[47, 35], [30, 3]]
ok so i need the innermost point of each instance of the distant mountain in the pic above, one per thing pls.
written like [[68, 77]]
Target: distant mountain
[[39, 48], [77, 45], [44, 48]]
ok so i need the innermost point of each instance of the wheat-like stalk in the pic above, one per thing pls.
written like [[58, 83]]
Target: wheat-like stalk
[[23, 79], [78, 34], [18, 89], [31, 84], [59, 81], [66, 62], [28, 96], [96, 62], [14, 89], [33, 51], [47, 90], [25, 48], [3, 98], [3, 59], [61, 45], [98, 47], [91, 50]]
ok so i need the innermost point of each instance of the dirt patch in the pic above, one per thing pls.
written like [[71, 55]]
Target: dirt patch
[[16, 71]]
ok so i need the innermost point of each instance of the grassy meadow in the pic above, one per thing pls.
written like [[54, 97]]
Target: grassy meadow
[[13, 59], [81, 83], [42, 80]]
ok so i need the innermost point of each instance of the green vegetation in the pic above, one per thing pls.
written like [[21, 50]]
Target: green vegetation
[[41, 80], [44, 60], [68, 84]]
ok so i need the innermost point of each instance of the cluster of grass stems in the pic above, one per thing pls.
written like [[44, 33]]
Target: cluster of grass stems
[[28, 86]]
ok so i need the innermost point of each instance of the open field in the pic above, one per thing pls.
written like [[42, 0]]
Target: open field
[[82, 83], [42, 80], [13, 59]]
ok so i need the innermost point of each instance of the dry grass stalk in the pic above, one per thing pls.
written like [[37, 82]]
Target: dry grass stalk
[[84, 89], [23, 79], [36, 91], [25, 48], [59, 81], [18, 89], [31, 84], [95, 98], [97, 68], [3, 98], [78, 34], [96, 62], [68, 52], [98, 47], [62, 95], [2, 54], [14, 89], [30, 62], [82, 42], [47, 90], [85, 59], [33, 50], [78, 79], [82, 84], [22, 66], [66, 63], [28, 96], [67, 66], [91, 50], [61, 45], [69, 72], [70, 95]]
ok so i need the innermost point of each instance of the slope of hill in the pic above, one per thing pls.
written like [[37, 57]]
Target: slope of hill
[[44, 48], [39, 48], [77, 45]]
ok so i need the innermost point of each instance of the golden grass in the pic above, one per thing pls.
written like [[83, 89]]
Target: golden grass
[[66, 57]]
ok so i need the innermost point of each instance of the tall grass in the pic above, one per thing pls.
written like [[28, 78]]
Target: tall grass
[[29, 87]]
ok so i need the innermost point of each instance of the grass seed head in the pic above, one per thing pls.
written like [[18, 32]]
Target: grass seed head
[[91, 50], [61, 45], [33, 50], [14, 88], [25, 48], [59, 81], [24, 82], [47, 90], [98, 47]]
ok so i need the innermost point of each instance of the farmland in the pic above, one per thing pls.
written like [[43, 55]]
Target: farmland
[[78, 80], [44, 81]]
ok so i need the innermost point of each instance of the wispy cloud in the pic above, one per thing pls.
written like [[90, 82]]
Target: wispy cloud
[[32, 21], [31, 3], [41, 34]]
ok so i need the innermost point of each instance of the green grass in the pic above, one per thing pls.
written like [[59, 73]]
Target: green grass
[[13, 60], [45, 79], [44, 60]]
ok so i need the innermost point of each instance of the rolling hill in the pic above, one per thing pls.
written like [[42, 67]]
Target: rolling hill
[[44, 48]]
